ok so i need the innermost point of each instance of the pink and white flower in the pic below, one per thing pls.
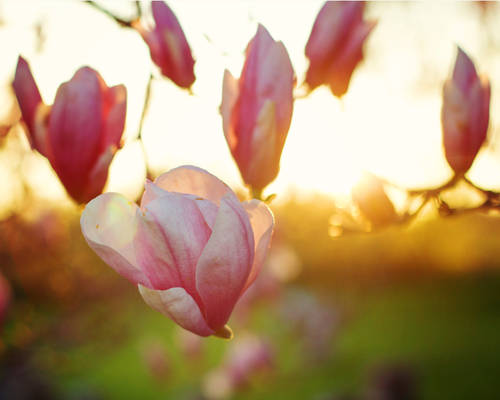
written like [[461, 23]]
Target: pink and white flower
[[80, 132], [257, 109], [191, 247]]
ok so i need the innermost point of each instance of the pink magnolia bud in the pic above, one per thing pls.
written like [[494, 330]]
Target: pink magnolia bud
[[168, 46], [335, 46], [465, 114], [80, 133], [191, 247], [257, 109]]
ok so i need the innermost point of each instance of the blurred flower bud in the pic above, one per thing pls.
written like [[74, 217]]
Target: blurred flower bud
[[257, 109], [168, 46], [370, 197], [248, 356], [335, 46], [4, 297], [190, 344], [465, 114], [80, 133], [315, 323], [156, 360]]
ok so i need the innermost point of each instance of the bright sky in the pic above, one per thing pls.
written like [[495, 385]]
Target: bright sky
[[388, 123]]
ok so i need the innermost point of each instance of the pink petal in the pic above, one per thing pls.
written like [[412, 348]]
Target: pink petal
[[262, 221], [173, 55], [464, 114], [109, 226], [267, 76], [479, 105], [332, 27], [207, 208], [338, 74], [28, 97], [193, 180], [171, 236], [114, 118], [97, 176], [225, 263], [179, 306], [464, 72], [229, 98], [454, 120], [75, 129]]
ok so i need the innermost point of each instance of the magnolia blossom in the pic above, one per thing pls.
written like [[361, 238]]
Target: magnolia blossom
[[80, 132], [257, 109], [465, 114], [168, 46], [335, 46], [191, 247]]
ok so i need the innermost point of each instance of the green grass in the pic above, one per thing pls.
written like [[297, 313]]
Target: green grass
[[447, 330]]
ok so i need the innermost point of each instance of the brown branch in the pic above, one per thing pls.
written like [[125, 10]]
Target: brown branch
[[122, 22]]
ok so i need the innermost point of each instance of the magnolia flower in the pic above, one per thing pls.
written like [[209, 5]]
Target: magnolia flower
[[80, 132], [335, 46], [257, 109], [465, 114], [191, 247], [168, 46]]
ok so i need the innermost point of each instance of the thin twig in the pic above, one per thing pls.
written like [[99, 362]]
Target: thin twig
[[122, 22], [138, 9], [145, 107]]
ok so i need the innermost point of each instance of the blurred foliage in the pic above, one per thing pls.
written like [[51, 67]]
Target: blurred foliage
[[402, 310]]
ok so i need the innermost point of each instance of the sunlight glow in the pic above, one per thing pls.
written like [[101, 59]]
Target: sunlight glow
[[388, 122]]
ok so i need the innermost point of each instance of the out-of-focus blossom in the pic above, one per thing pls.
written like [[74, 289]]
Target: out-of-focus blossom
[[156, 360], [80, 132], [257, 109], [168, 46], [247, 357], [314, 323], [191, 247], [335, 46], [190, 344], [465, 113], [4, 298], [370, 196]]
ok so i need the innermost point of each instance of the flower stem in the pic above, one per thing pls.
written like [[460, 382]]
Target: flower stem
[[255, 193]]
